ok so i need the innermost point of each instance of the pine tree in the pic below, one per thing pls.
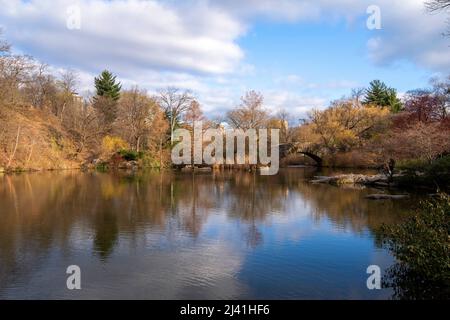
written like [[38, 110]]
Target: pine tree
[[108, 93], [107, 87], [379, 94], [393, 102]]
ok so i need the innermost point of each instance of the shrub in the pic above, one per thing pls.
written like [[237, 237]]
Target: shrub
[[411, 165], [422, 247], [440, 167], [148, 161], [425, 141], [111, 145], [421, 172], [102, 167], [130, 155], [353, 159]]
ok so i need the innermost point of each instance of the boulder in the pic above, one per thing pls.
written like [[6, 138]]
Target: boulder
[[344, 179]]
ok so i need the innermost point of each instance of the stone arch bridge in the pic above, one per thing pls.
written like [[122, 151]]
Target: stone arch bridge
[[292, 148]]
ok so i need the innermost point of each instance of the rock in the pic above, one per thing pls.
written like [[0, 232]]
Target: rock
[[320, 179], [344, 179], [382, 184], [129, 165], [386, 196]]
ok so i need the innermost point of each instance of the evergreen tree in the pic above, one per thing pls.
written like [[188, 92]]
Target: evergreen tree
[[108, 93], [394, 103], [107, 87], [379, 94]]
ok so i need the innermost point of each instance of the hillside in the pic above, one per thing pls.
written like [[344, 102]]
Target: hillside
[[31, 139]]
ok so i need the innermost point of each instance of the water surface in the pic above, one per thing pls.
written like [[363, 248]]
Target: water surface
[[183, 236]]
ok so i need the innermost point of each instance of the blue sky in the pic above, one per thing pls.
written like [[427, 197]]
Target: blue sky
[[323, 54], [299, 53]]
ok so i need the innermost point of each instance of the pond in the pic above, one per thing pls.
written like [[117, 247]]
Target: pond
[[224, 235]]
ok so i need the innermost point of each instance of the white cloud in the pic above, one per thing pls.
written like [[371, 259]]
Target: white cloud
[[299, 83], [291, 10], [410, 33], [126, 36], [290, 80], [201, 36], [295, 104]]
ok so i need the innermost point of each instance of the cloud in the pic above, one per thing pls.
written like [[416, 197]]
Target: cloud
[[290, 10], [410, 33], [126, 36], [295, 104], [298, 82], [201, 36]]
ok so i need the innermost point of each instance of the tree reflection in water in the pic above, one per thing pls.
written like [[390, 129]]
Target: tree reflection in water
[[42, 210]]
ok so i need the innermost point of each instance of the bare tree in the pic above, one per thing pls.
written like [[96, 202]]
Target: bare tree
[[40, 88], [174, 104], [358, 94], [283, 117], [250, 114], [437, 6], [69, 81], [67, 85], [84, 127], [14, 74], [194, 113], [136, 113], [441, 90], [4, 45]]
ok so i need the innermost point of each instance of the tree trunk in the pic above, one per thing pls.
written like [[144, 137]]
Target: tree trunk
[[30, 154], [160, 153], [15, 148]]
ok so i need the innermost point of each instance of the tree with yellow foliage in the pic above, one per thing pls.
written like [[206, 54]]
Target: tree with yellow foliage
[[345, 125]]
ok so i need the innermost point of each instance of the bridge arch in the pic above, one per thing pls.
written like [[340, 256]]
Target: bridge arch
[[289, 148], [316, 158]]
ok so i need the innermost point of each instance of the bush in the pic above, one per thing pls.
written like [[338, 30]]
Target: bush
[[422, 247], [149, 161], [423, 173], [111, 145], [439, 168], [102, 167], [412, 165], [130, 155], [353, 159]]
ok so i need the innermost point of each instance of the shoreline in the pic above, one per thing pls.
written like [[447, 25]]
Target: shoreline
[[378, 180]]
